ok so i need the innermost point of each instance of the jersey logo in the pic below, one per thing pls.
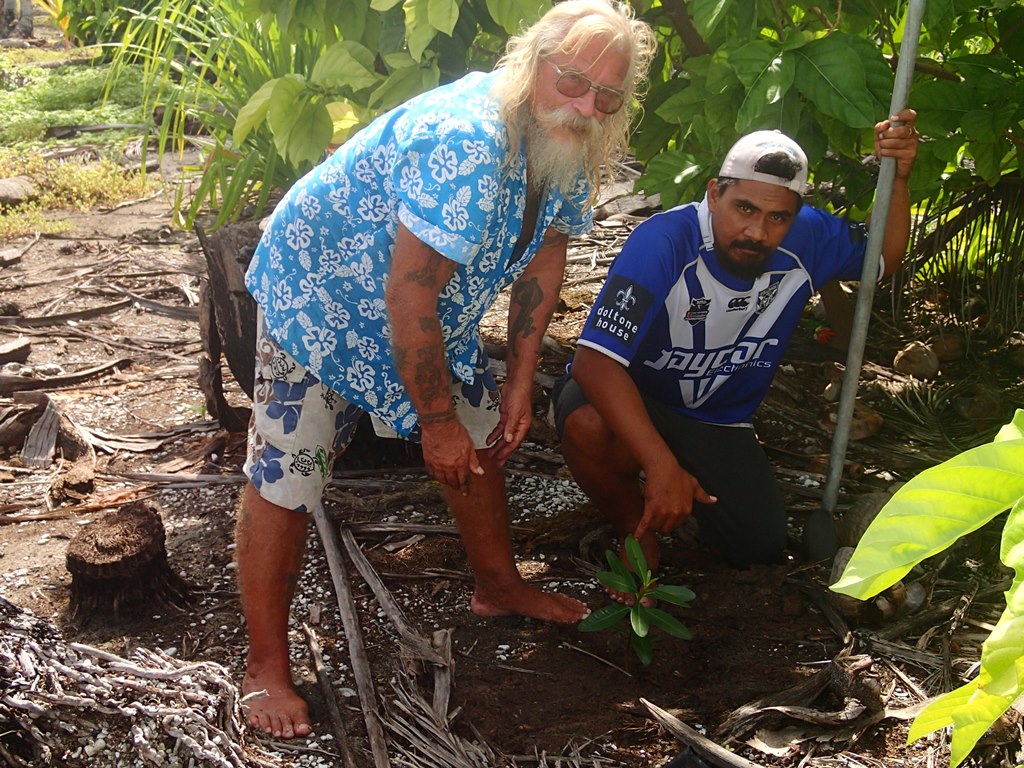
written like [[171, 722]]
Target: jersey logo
[[621, 309], [625, 299], [766, 297], [698, 311], [701, 373], [739, 304]]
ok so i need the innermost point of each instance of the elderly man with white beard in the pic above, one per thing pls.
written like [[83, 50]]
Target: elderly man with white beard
[[371, 279]]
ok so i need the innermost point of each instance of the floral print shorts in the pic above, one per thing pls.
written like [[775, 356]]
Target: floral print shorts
[[299, 426]]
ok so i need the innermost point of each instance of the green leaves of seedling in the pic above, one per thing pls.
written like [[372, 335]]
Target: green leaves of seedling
[[635, 579]]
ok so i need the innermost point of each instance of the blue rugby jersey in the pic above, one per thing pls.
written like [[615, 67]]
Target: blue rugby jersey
[[698, 339]]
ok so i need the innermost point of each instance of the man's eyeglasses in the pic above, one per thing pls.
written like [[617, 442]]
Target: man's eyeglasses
[[574, 84]]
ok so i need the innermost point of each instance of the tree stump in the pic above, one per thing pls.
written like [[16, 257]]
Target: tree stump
[[227, 319], [118, 565]]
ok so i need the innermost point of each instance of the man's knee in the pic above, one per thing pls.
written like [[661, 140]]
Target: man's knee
[[257, 513], [584, 427]]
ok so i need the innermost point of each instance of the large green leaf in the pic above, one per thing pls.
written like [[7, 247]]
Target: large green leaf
[[831, 76], [640, 620], [708, 14], [402, 84], [643, 648], [419, 32], [346, 63], [302, 127], [253, 113], [617, 582], [932, 511], [941, 106], [972, 708], [514, 15], [987, 124], [1014, 430], [637, 561], [443, 15], [767, 76], [750, 61], [680, 107], [988, 157], [672, 594]]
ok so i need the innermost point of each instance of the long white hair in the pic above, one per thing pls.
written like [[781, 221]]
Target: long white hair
[[568, 28]]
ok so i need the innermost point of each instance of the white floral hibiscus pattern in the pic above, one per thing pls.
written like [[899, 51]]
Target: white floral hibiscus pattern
[[436, 165]]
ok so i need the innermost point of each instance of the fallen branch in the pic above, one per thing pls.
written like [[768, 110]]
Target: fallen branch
[[706, 748], [61, 698], [412, 642], [357, 650], [11, 384], [340, 734], [594, 656], [84, 314]]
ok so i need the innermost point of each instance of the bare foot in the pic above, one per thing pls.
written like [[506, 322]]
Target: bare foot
[[652, 554], [277, 709], [524, 600]]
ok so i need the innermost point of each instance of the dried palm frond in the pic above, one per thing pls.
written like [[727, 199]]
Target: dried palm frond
[[424, 739], [570, 758]]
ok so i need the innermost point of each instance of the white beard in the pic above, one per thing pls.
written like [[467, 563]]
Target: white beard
[[558, 162]]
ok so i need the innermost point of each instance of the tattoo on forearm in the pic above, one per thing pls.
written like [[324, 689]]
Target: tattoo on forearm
[[437, 417], [526, 297], [430, 380], [427, 275]]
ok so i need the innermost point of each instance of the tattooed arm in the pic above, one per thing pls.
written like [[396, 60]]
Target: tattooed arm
[[418, 273], [533, 299]]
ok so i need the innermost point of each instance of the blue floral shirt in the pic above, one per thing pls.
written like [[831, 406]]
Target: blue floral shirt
[[437, 165]]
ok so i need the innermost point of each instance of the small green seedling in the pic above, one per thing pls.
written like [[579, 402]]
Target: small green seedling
[[634, 578]]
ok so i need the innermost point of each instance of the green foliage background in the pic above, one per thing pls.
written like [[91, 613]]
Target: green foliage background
[[299, 75], [276, 82]]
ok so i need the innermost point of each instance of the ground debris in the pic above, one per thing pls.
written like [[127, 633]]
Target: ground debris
[[63, 703]]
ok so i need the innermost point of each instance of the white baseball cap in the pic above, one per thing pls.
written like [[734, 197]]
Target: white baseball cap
[[752, 158]]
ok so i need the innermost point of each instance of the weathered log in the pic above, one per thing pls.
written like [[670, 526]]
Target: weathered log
[[118, 565], [228, 251], [211, 383]]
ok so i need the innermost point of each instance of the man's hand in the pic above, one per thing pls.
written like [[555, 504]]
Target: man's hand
[[515, 417], [449, 454], [669, 494], [897, 138]]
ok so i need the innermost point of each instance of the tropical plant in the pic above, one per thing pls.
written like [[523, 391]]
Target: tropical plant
[[925, 517], [634, 578], [91, 21], [276, 82], [55, 10]]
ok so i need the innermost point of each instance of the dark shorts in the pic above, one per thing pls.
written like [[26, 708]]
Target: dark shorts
[[748, 522]]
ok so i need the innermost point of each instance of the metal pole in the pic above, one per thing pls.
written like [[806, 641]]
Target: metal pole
[[869, 275]]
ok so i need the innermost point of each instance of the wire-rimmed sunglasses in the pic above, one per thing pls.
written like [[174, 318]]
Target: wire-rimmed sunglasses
[[573, 83]]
